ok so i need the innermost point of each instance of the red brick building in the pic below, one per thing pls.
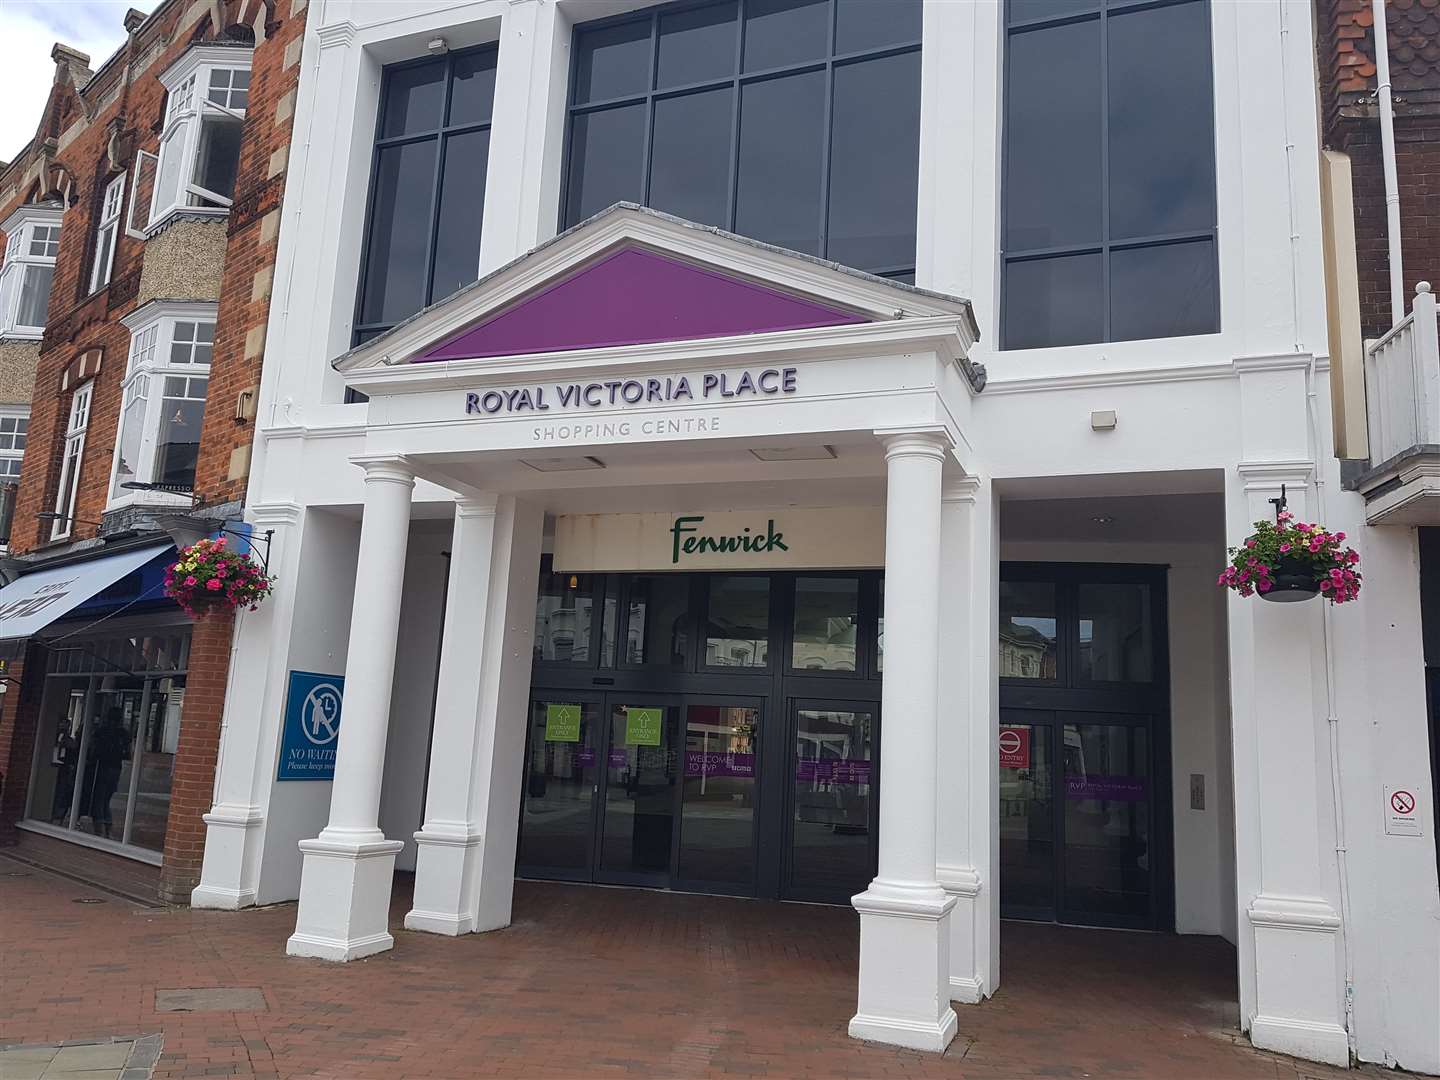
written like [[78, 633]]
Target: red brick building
[[138, 231]]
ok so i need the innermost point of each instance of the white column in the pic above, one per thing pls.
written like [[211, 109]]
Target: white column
[[465, 865], [904, 994], [967, 837], [345, 883], [446, 860], [1292, 994]]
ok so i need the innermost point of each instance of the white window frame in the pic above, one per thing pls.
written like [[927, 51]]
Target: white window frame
[[152, 345], [31, 226], [193, 103], [20, 416], [67, 492], [107, 233]]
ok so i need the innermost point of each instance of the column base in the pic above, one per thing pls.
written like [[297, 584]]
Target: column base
[[447, 869], [967, 980], [344, 898], [215, 898], [229, 870], [904, 997], [1298, 995]]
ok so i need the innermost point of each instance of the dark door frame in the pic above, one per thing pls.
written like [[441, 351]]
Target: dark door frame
[[1135, 704]]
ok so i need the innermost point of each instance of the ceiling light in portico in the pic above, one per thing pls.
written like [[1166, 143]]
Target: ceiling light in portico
[[1103, 519], [794, 453], [563, 464]]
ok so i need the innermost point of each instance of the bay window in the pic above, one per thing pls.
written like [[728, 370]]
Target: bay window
[[106, 230], [199, 155], [32, 240], [14, 429], [73, 458], [162, 402]]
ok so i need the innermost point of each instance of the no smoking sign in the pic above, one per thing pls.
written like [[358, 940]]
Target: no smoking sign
[[1402, 811]]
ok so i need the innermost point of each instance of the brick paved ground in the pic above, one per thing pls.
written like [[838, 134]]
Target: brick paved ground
[[597, 982]]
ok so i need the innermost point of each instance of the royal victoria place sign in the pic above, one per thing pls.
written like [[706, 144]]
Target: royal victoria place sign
[[830, 538], [709, 387]]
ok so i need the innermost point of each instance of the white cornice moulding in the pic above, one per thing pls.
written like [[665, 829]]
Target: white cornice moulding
[[198, 56], [335, 35], [31, 214], [152, 311], [1296, 361], [1095, 379]]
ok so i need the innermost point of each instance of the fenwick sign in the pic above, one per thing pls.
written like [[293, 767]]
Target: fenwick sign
[[841, 537], [617, 393], [745, 541]]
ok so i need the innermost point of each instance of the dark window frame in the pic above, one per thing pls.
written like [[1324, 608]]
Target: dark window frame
[[735, 83], [441, 135], [1099, 10]]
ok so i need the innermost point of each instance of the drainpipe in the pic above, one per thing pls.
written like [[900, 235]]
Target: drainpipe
[[1387, 156]]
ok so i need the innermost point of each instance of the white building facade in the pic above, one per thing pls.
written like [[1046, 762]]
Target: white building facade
[[716, 543]]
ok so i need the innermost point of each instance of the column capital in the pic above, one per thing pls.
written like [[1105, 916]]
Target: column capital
[[385, 468], [475, 506], [932, 442], [962, 489]]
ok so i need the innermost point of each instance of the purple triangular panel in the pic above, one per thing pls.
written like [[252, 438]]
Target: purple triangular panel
[[633, 297]]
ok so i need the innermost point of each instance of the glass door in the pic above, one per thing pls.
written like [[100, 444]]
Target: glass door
[[833, 809], [639, 797], [557, 826], [717, 849], [1027, 815]]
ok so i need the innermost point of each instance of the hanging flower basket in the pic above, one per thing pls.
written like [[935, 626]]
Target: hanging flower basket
[[207, 576], [1288, 560]]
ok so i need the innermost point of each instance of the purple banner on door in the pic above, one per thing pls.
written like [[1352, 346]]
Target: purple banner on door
[[833, 770], [699, 763], [585, 756], [1113, 788], [619, 759]]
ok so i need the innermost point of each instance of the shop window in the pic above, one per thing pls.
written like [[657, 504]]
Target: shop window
[[806, 136], [199, 153], [73, 457], [32, 241], [1109, 221], [106, 231], [163, 404], [427, 186]]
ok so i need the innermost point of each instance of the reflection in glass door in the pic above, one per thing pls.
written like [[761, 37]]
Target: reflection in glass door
[[717, 829], [1027, 819], [638, 802], [1107, 820], [832, 826], [557, 827]]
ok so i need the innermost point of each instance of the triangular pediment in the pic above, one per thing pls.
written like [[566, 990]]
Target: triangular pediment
[[631, 276]]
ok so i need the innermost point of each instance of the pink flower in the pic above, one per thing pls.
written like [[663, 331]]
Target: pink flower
[[1326, 586], [1339, 537], [1250, 543], [1335, 575], [190, 581], [213, 585], [1352, 556], [1265, 586], [1285, 547], [1302, 527]]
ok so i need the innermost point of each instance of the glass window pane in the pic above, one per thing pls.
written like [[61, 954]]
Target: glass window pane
[[874, 24], [658, 617], [218, 159], [827, 616], [607, 151], [782, 135], [462, 201], [1107, 820], [132, 427], [178, 446], [1025, 10], [738, 630], [690, 156], [1027, 630], [613, 61], [696, 45], [472, 92], [1162, 149], [35, 295], [830, 833], [717, 818], [640, 790], [1117, 639], [555, 829], [563, 615], [1165, 291], [1027, 820], [875, 163], [399, 233], [1056, 301], [1052, 138], [414, 97], [783, 32]]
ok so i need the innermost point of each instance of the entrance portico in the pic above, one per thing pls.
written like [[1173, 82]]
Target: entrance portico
[[788, 402]]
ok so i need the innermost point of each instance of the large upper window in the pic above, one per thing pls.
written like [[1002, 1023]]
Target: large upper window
[[107, 229], [1109, 180], [14, 429], [32, 240], [208, 91], [427, 186], [73, 457], [796, 122], [163, 402]]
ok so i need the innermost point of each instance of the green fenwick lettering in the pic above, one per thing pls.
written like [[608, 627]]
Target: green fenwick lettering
[[684, 541]]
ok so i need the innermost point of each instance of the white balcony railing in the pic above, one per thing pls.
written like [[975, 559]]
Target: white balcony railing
[[1402, 383]]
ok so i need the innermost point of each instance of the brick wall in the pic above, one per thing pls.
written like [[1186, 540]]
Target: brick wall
[[19, 721], [1346, 63], [193, 779]]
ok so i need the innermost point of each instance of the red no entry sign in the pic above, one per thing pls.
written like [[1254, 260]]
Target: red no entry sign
[[1015, 748]]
